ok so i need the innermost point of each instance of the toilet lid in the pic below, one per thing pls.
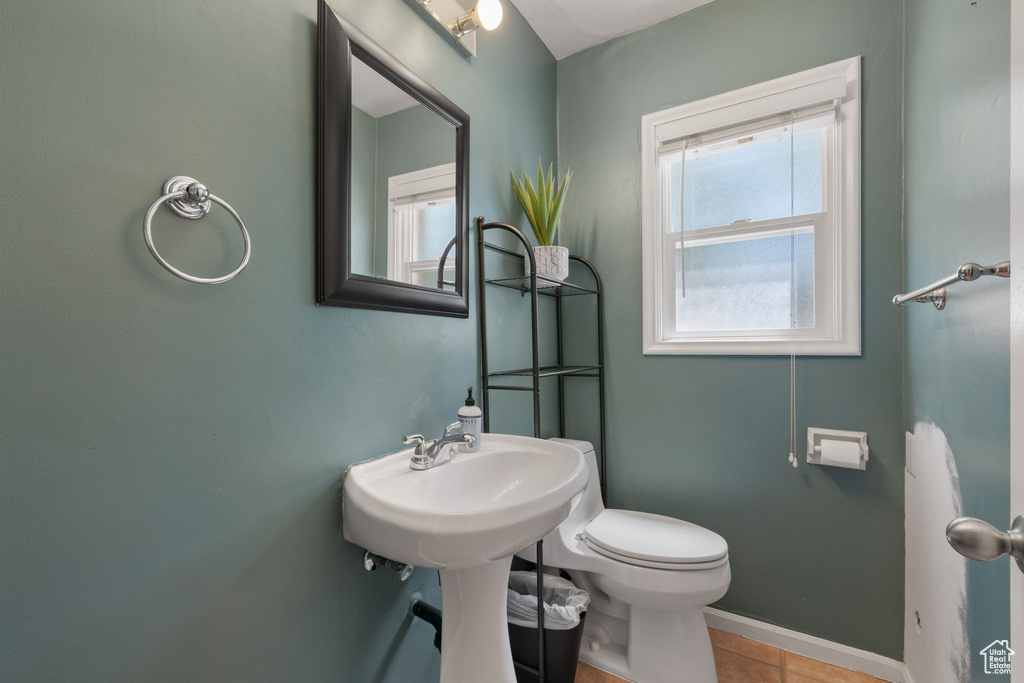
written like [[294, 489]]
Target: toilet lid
[[644, 536]]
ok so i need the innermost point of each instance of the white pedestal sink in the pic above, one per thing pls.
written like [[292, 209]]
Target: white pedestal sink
[[465, 518]]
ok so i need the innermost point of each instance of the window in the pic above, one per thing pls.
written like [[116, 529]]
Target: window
[[421, 223], [751, 219]]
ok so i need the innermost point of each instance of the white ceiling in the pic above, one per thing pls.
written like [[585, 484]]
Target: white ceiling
[[568, 26], [374, 94]]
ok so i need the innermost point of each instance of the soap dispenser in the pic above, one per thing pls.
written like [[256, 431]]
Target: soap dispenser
[[469, 419]]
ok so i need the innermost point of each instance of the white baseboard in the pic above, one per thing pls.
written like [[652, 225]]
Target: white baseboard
[[820, 649]]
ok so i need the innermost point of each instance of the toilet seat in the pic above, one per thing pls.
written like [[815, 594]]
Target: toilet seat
[[655, 541]]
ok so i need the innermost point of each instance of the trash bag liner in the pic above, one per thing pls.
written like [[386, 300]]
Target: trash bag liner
[[563, 602]]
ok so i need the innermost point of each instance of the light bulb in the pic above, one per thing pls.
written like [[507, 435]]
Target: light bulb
[[488, 14]]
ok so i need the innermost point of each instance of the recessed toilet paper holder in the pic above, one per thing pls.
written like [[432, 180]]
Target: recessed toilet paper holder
[[837, 454]]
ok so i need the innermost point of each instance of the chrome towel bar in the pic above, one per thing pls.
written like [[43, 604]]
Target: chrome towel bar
[[190, 199], [936, 291]]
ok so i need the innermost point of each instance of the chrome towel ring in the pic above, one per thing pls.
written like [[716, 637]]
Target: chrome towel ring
[[190, 199]]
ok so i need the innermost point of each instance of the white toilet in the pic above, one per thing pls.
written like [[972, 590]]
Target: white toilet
[[649, 578]]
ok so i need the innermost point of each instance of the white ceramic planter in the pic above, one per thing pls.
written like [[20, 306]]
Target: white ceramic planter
[[552, 263]]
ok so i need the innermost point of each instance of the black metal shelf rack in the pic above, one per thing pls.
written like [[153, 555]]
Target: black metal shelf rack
[[537, 286]]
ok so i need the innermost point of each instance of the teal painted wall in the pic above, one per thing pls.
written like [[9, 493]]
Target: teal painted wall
[[170, 454], [819, 550], [957, 210], [364, 178]]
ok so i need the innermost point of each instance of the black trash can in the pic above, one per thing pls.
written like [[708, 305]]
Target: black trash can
[[563, 605], [561, 653]]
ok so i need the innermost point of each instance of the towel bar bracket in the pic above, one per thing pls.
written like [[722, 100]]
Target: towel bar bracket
[[188, 206], [937, 298]]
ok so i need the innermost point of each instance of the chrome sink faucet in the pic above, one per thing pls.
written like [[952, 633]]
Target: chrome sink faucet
[[430, 454]]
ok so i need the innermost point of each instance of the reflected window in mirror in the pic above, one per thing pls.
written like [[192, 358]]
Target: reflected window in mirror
[[421, 225]]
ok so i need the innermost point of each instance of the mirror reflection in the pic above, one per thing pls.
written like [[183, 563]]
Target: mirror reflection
[[403, 210]]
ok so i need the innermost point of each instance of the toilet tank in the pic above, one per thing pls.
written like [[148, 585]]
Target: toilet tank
[[588, 504]]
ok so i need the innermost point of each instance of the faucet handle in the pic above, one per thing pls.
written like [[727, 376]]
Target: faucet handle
[[453, 428], [417, 439]]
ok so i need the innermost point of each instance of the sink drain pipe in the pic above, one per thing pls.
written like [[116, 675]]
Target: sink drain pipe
[[429, 614], [372, 561]]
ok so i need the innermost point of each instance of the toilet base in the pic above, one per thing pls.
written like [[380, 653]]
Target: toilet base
[[651, 645], [670, 645]]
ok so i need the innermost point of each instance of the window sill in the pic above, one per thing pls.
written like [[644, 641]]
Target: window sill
[[715, 346]]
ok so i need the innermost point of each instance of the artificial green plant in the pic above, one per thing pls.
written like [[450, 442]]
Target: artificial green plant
[[542, 204]]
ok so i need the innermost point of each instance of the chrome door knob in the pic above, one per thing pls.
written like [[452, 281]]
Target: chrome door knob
[[978, 540]]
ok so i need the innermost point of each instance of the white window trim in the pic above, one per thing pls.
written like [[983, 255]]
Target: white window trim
[[421, 185], [840, 82]]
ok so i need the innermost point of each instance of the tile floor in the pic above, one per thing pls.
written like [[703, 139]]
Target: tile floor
[[746, 661]]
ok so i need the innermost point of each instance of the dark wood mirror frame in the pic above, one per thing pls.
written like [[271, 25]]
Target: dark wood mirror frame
[[336, 284]]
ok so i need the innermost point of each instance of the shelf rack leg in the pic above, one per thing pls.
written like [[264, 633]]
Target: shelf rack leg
[[541, 664], [485, 382], [561, 361]]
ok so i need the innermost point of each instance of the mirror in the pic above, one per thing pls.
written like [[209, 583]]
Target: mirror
[[402, 214], [392, 180]]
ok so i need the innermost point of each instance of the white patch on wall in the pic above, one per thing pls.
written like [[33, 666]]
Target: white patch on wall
[[934, 629]]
